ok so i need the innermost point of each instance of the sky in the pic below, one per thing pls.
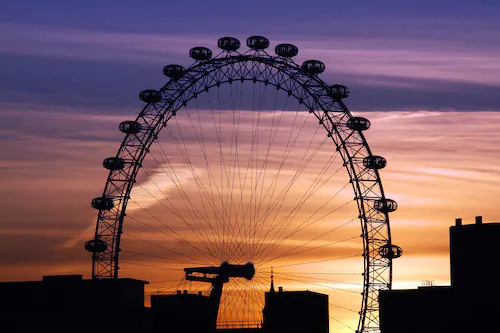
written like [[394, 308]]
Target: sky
[[426, 74]]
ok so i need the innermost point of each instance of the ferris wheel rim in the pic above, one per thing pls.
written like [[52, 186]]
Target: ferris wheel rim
[[203, 69]]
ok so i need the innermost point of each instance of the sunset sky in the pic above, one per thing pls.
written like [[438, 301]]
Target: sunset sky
[[426, 74]]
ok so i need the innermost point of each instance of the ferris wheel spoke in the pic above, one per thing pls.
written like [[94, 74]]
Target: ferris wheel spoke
[[250, 298], [309, 262], [229, 302], [222, 215], [312, 274], [342, 307], [169, 170], [262, 219], [244, 294], [263, 170], [144, 266], [320, 280], [235, 205], [304, 225], [257, 176], [257, 197], [266, 248], [342, 323], [225, 218], [319, 285], [200, 235], [204, 197], [229, 231], [177, 235], [202, 191], [247, 177], [249, 235], [248, 215], [281, 198], [238, 228], [290, 253], [286, 152], [272, 137], [257, 296], [163, 259], [163, 247], [271, 246]]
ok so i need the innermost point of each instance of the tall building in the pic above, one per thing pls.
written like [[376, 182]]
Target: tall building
[[474, 254], [470, 304]]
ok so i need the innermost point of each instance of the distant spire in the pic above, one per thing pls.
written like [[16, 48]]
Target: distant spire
[[272, 281]]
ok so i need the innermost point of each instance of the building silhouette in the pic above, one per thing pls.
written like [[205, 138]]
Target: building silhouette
[[71, 304], [470, 304], [284, 311], [182, 312], [68, 303], [295, 311]]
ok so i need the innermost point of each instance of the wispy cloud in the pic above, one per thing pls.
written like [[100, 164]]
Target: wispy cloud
[[422, 59], [91, 45]]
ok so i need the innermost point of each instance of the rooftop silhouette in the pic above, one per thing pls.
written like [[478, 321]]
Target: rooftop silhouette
[[65, 303], [470, 304]]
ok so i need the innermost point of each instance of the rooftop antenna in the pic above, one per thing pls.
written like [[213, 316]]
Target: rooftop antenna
[[272, 281]]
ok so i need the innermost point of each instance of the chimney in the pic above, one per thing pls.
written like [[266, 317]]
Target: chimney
[[479, 220], [178, 292], [458, 222], [280, 289], [185, 292]]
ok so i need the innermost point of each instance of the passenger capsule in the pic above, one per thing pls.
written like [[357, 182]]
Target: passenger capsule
[[113, 163], [257, 42], [228, 43], [374, 162], [96, 246], [150, 96], [200, 53], [174, 71], [130, 127], [390, 251], [313, 67], [385, 205], [338, 91], [102, 203], [286, 50], [358, 124]]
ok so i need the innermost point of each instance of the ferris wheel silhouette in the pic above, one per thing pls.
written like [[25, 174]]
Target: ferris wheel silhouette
[[243, 163]]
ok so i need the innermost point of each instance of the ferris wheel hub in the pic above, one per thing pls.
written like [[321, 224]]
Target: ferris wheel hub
[[220, 273]]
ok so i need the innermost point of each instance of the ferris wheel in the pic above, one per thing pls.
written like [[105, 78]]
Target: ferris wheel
[[248, 163]]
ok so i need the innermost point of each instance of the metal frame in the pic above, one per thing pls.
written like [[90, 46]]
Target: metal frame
[[282, 73]]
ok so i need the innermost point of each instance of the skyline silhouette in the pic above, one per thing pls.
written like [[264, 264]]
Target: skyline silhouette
[[428, 83]]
